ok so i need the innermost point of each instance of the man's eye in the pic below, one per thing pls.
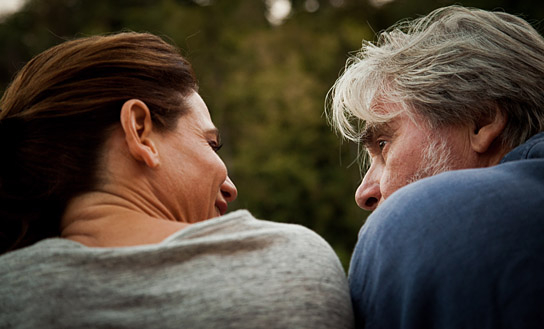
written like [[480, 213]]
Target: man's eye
[[381, 144], [215, 146]]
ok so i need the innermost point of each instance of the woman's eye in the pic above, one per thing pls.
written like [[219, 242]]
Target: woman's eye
[[381, 144], [215, 146]]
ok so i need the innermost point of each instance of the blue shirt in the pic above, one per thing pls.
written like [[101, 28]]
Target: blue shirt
[[463, 249]]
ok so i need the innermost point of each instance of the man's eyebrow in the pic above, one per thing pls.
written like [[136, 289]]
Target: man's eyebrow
[[368, 135], [370, 132]]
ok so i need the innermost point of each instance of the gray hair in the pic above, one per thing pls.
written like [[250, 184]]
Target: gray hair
[[454, 66]]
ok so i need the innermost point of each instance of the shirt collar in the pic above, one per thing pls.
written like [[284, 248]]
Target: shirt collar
[[531, 149]]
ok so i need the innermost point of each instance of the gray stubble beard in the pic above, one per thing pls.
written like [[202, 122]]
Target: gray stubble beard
[[437, 158]]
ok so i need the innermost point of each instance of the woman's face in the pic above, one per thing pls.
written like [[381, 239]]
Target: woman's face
[[192, 179]]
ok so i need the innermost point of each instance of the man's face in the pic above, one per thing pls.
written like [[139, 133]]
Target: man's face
[[403, 151]]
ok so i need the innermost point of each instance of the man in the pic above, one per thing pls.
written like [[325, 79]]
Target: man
[[458, 89]]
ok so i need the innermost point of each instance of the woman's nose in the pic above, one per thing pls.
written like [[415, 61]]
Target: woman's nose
[[228, 190], [368, 194]]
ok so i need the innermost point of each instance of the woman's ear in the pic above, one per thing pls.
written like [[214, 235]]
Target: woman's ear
[[485, 132], [137, 126]]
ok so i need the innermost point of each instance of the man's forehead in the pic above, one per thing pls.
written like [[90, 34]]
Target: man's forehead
[[376, 126], [381, 109], [382, 118]]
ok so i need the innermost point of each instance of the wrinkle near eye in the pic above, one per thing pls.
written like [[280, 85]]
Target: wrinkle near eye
[[213, 135], [371, 134]]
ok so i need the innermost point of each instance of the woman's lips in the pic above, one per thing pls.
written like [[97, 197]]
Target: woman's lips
[[221, 207]]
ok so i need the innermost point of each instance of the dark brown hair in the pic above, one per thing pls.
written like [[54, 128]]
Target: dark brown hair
[[58, 113]]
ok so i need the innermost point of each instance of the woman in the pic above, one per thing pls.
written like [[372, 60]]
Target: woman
[[112, 202]]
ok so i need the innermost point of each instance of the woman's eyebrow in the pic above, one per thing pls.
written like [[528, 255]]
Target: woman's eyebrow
[[214, 132]]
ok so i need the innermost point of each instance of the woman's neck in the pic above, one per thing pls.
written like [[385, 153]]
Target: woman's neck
[[100, 219]]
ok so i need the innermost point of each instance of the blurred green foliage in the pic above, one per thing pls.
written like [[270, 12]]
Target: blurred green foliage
[[265, 86]]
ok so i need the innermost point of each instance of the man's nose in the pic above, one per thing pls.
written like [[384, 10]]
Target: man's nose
[[368, 194], [228, 190]]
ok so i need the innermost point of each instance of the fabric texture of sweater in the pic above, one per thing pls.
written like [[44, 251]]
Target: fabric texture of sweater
[[233, 271]]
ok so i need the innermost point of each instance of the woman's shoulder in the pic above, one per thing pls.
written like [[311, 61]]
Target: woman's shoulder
[[240, 228], [285, 272], [234, 242], [237, 230], [242, 223]]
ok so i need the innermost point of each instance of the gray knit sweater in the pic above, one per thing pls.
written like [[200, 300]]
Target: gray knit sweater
[[228, 272]]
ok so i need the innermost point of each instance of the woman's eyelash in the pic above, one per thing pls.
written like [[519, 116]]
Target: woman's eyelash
[[215, 146]]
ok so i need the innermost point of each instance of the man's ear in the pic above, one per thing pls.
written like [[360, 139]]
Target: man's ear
[[137, 126], [486, 131]]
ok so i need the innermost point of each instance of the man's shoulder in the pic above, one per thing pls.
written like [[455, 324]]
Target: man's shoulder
[[434, 193], [493, 192], [462, 235], [479, 184], [463, 182]]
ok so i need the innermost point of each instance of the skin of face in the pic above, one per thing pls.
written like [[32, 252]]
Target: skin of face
[[193, 181], [399, 152]]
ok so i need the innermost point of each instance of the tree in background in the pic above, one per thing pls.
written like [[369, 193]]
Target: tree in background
[[264, 81]]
